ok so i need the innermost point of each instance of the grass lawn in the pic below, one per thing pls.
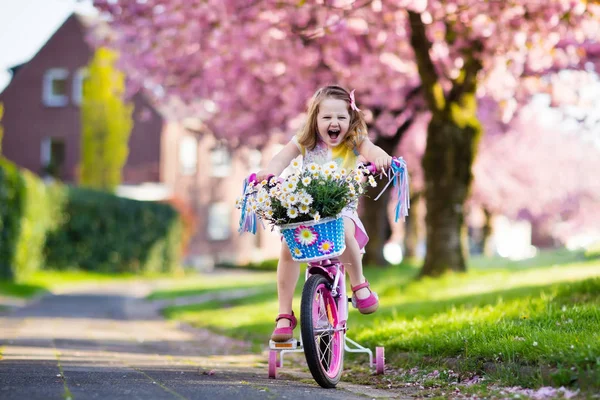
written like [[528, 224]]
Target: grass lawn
[[530, 323], [43, 281]]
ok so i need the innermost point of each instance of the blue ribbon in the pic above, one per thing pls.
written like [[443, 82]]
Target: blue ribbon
[[248, 219], [398, 177]]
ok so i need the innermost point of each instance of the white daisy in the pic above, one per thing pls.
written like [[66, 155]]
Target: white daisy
[[312, 167], [295, 163], [331, 166], [343, 171], [288, 187], [316, 216], [306, 180], [372, 181], [306, 199], [292, 212], [303, 208], [293, 198]]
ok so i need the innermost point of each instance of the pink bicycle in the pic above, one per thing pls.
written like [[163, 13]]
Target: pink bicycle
[[324, 305], [323, 323]]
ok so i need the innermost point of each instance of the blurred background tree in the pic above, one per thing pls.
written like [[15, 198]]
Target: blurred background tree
[[403, 57], [1, 128], [106, 123]]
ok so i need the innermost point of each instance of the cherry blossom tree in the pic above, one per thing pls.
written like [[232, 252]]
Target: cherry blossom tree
[[247, 67]]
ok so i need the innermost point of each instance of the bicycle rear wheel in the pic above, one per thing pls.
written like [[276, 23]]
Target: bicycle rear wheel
[[322, 337]]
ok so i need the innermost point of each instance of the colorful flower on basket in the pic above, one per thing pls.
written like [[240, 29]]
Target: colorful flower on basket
[[326, 246], [305, 235], [303, 209], [292, 212], [297, 252]]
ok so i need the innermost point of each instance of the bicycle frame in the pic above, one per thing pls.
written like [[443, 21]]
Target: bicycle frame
[[335, 272]]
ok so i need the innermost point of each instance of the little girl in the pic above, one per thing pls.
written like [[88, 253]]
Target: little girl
[[335, 131]]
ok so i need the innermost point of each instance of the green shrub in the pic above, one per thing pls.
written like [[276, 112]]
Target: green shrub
[[104, 233], [57, 226], [28, 210]]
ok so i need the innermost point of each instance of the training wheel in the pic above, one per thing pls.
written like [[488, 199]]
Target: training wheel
[[273, 364], [379, 360]]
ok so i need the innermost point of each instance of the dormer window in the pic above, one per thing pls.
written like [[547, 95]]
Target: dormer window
[[54, 91]]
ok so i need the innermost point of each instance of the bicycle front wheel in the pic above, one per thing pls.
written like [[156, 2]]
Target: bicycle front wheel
[[322, 335]]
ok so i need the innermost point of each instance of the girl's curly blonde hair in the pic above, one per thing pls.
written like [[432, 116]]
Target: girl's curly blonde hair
[[357, 130]]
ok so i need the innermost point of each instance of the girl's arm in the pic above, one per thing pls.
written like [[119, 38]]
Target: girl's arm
[[279, 161], [375, 154]]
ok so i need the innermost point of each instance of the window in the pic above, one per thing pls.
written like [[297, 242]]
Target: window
[[219, 221], [220, 162], [78, 79], [54, 91], [254, 159], [52, 156], [188, 155]]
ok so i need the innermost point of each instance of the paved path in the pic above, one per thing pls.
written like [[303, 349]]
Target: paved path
[[106, 342]]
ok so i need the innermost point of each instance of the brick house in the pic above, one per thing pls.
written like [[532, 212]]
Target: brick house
[[167, 157]]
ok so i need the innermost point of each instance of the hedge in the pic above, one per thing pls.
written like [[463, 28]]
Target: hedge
[[28, 211], [62, 227]]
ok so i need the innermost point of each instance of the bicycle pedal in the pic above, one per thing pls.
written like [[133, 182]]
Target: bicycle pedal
[[287, 345]]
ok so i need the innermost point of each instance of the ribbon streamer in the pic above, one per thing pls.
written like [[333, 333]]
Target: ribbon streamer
[[398, 176]]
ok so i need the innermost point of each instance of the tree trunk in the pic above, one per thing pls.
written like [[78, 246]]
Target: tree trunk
[[411, 228], [375, 216], [451, 145], [486, 242]]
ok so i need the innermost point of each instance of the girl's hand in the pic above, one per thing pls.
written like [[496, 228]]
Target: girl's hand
[[262, 175], [383, 163]]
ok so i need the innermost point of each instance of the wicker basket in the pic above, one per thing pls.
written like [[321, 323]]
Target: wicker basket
[[315, 241]]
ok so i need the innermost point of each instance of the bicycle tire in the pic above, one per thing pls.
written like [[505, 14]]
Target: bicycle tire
[[323, 345]]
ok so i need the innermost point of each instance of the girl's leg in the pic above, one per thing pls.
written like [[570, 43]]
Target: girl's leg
[[288, 272], [352, 259]]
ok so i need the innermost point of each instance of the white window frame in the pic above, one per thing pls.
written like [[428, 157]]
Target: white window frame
[[77, 92], [220, 160], [219, 221], [49, 98], [188, 155]]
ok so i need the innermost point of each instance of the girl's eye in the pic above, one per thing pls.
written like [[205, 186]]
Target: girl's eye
[[342, 117]]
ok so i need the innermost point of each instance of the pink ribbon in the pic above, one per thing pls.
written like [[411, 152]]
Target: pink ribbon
[[353, 102]]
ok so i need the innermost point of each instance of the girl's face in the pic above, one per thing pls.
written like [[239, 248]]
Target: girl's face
[[333, 121]]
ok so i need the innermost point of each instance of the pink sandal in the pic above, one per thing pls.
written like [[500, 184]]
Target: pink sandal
[[368, 305], [287, 333]]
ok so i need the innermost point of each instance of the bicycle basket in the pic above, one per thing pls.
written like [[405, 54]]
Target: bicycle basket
[[315, 241]]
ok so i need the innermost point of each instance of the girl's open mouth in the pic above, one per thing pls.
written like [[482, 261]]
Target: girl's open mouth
[[333, 133]]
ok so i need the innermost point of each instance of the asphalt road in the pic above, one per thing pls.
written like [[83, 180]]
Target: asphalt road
[[106, 342]]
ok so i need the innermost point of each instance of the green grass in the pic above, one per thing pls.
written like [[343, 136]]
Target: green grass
[[45, 281], [201, 284], [531, 323]]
